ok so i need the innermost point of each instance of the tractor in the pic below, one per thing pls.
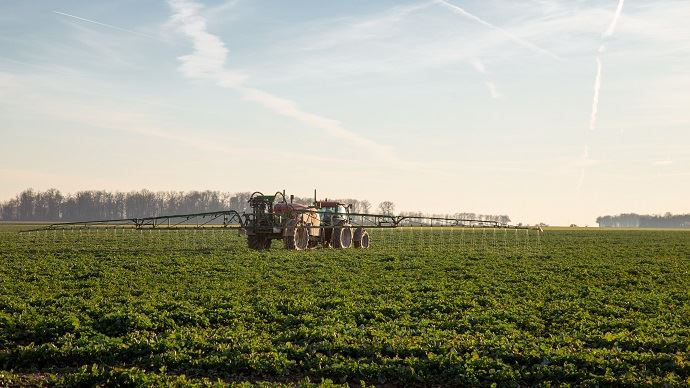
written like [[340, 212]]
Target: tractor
[[300, 227], [337, 228]]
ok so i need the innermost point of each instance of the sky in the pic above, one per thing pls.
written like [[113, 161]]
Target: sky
[[548, 111]]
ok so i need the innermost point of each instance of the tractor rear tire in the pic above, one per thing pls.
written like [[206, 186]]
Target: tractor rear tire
[[299, 240], [258, 243], [363, 242], [301, 237], [253, 242], [342, 237]]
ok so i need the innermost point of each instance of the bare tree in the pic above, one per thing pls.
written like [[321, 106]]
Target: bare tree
[[51, 205], [387, 208]]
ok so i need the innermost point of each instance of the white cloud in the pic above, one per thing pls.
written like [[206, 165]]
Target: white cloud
[[478, 65], [208, 62], [208, 59], [492, 89]]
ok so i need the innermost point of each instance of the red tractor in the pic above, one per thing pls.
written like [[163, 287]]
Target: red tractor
[[325, 223]]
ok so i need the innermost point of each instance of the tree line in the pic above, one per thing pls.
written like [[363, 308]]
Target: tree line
[[52, 205], [633, 220]]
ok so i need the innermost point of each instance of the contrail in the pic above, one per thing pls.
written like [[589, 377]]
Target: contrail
[[597, 86], [614, 22], [597, 81], [107, 25], [595, 100], [509, 35]]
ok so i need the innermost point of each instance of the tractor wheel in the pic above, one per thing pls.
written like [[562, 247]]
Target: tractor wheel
[[363, 241], [258, 243], [301, 237], [342, 237], [289, 242], [253, 242], [299, 240], [266, 244], [327, 236]]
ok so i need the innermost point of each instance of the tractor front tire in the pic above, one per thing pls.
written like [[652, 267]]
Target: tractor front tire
[[363, 241]]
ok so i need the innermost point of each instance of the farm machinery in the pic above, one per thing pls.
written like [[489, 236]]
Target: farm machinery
[[324, 223]]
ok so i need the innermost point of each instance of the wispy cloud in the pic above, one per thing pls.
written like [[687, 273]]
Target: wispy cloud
[[493, 91], [490, 85], [142, 122], [344, 31], [290, 109], [391, 42], [221, 8], [478, 65], [208, 59], [208, 62], [107, 25], [520, 41]]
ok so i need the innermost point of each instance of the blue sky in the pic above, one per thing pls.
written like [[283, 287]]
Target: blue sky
[[554, 111]]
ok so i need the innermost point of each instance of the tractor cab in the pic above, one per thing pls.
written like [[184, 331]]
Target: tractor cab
[[333, 213]]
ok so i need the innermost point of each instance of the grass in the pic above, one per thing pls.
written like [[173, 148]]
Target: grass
[[421, 307]]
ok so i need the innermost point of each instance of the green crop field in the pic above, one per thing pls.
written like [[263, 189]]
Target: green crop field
[[421, 307]]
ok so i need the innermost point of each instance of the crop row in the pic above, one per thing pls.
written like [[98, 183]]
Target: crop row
[[592, 307]]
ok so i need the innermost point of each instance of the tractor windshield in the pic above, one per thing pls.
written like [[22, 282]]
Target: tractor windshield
[[332, 213]]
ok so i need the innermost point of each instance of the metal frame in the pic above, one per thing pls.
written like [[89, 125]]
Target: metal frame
[[231, 220], [256, 221]]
